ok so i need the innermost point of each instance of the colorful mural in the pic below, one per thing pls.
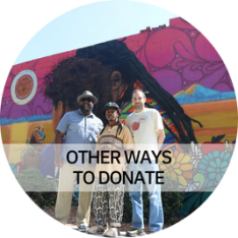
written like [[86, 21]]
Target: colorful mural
[[179, 70]]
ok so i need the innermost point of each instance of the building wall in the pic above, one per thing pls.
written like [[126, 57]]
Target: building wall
[[179, 58]]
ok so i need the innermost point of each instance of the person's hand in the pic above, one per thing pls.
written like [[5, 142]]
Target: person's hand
[[59, 162]]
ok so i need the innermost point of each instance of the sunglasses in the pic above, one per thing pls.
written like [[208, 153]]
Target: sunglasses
[[86, 99]]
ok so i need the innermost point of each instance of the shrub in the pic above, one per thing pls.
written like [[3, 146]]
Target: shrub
[[172, 202], [43, 199], [32, 181]]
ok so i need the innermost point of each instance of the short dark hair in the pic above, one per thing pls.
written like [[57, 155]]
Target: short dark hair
[[138, 91]]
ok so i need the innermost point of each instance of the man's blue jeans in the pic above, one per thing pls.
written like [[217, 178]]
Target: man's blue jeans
[[156, 217]]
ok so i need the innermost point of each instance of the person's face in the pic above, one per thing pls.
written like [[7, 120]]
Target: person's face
[[86, 104], [111, 114], [138, 100]]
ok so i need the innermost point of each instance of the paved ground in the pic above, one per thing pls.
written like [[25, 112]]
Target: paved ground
[[68, 232], [164, 235]]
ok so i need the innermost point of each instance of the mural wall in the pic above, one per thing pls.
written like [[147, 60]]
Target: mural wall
[[190, 86]]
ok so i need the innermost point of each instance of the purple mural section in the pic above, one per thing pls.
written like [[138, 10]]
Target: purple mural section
[[38, 105], [177, 56]]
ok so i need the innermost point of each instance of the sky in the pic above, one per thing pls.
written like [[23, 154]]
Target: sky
[[35, 29]]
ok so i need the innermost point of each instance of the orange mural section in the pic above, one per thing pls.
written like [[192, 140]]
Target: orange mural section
[[218, 118]]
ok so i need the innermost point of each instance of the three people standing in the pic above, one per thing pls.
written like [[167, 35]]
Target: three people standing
[[146, 127]]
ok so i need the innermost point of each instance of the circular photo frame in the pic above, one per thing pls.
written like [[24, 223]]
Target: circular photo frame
[[23, 87]]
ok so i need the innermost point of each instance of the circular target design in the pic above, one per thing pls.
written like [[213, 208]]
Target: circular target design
[[24, 87]]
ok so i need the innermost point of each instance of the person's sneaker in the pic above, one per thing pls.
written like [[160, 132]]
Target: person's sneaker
[[112, 232], [82, 228], [135, 232], [97, 229]]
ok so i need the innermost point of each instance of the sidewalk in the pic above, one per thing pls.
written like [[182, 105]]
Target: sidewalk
[[55, 231]]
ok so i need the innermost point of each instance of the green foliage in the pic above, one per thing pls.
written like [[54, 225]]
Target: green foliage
[[33, 182], [127, 210], [172, 202], [44, 199]]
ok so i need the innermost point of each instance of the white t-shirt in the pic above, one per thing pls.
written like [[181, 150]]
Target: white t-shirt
[[144, 126]]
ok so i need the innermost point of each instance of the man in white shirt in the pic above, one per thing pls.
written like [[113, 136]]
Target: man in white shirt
[[146, 126]]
